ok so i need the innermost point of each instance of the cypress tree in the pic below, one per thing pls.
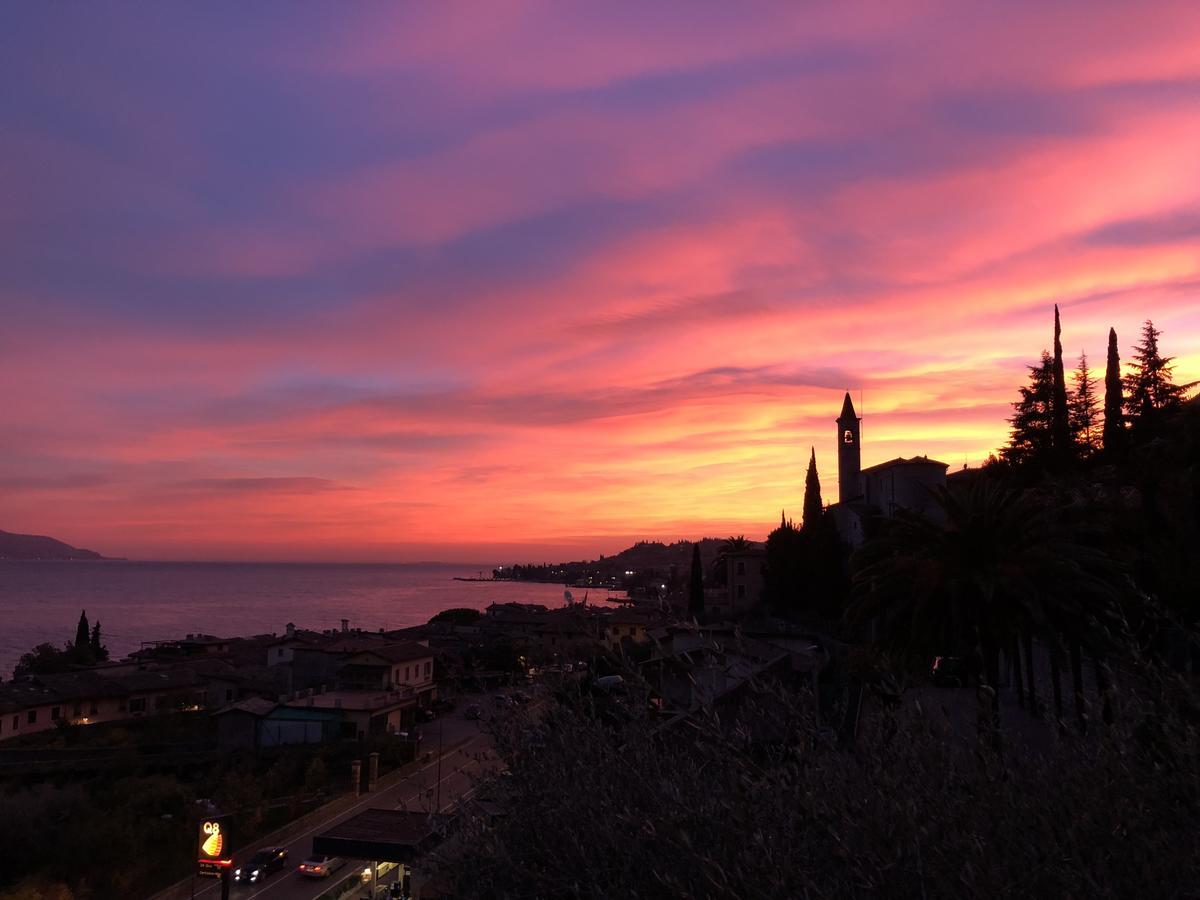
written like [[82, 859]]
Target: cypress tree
[[83, 635], [812, 494], [1113, 437], [1084, 406], [696, 583], [786, 576], [99, 651], [1060, 421]]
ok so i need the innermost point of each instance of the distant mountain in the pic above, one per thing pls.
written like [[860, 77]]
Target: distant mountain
[[34, 546], [657, 555]]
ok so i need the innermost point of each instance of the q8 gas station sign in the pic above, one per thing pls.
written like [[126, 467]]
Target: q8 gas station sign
[[216, 846]]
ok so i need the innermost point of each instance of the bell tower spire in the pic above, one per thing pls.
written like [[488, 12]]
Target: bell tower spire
[[849, 435]]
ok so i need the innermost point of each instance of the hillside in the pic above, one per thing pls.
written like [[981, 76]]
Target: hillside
[[35, 546], [657, 555], [637, 562]]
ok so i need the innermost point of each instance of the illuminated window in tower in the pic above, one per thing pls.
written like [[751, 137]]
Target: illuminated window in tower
[[848, 437]]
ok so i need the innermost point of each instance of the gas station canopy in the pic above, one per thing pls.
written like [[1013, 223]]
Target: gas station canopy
[[383, 835]]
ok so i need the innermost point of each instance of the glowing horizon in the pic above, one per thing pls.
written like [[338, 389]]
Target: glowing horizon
[[533, 281]]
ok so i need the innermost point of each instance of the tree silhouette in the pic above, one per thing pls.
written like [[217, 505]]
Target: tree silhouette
[[813, 508], [1060, 417], [1031, 440], [83, 634], [96, 644], [1151, 391], [995, 573], [785, 576], [696, 583], [1085, 408], [1113, 437], [734, 544]]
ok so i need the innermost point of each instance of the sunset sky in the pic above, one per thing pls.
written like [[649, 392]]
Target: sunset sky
[[506, 281]]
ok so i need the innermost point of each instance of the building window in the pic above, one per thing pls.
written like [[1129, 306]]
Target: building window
[[406, 674], [78, 710], [741, 592], [55, 713], [428, 669], [137, 704], [848, 437], [279, 652], [741, 567], [31, 716], [16, 722]]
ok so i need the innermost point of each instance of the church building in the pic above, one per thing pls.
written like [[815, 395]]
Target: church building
[[880, 490]]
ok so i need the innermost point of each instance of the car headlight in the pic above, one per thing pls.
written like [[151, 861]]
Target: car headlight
[[237, 872], [254, 875]]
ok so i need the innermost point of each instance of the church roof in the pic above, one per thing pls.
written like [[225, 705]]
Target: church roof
[[847, 409], [901, 461]]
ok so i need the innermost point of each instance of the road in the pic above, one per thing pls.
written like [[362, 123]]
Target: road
[[459, 767]]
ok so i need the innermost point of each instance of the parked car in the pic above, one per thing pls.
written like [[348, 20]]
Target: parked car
[[320, 866], [426, 714], [260, 866], [472, 711], [948, 671]]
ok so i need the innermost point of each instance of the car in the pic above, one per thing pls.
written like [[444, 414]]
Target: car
[[472, 711], [444, 704], [427, 714], [260, 866], [948, 671], [320, 866]]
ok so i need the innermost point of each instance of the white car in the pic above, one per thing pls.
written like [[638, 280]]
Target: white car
[[320, 866]]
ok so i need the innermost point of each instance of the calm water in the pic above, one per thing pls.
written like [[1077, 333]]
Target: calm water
[[40, 601]]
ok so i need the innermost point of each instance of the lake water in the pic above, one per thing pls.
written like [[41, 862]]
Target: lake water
[[146, 601]]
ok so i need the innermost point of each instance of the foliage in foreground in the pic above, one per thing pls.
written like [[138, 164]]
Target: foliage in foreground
[[597, 811]]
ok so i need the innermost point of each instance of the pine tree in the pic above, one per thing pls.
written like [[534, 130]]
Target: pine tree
[[1031, 439], [1151, 392], [1084, 406], [696, 583], [1060, 418], [813, 507], [1113, 438]]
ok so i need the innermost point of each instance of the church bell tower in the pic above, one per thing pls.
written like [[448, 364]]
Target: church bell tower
[[849, 436]]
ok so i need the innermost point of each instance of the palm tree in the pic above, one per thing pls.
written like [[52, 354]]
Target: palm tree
[[729, 546], [734, 544], [996, 572]]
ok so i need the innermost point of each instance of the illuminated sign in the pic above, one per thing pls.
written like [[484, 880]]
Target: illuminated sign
[[216, 847]]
